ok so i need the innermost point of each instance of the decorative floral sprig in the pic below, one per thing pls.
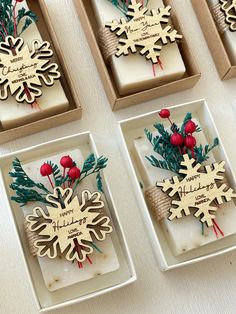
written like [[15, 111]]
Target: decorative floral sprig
[[27, 190], [171, 146], [122, 5], [10, 19]]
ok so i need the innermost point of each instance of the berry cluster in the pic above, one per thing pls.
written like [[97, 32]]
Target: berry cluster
[[67, 163], [186, 141]]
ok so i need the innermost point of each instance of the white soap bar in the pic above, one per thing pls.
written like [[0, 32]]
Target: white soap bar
[[53, 100], [183, 234], [134, 73], [228, 37], [59, 273]]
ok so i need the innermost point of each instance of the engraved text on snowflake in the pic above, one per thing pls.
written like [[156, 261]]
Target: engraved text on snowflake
[[144, 30], [22, 71], [69, 226], [198, 190]]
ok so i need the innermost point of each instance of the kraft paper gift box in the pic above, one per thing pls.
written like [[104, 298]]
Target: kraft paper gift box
[[117, 101], [113, 271], [44, 120], [222, 46], [165, 246]]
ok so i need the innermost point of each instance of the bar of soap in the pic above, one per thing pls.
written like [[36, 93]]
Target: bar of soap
[[228, 37], [53, 100], [60, 273], [133, 73], [183, 234]]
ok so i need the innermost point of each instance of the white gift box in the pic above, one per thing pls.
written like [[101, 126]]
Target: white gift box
[[132, 129], [45, 299]]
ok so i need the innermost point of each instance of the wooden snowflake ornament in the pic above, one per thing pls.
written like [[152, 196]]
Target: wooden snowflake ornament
[[69, 226], [144, 31], [197, 190], [22, 71], [229, 9]]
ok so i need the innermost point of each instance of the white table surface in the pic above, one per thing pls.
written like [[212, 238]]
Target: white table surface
[[206, 287]]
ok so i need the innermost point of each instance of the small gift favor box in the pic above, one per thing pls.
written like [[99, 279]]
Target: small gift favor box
[[120, 89], [57, 282], [220, 39], [21, 119], [179, 242]]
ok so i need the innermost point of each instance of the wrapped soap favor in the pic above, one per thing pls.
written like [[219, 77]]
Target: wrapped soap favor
[[184, 183], [139, 47], [188, 193], [72, 238], [148, 54], [217, 19], [29, 76], [224, 14]]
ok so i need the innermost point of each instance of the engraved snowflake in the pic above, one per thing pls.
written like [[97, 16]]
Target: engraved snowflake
[[69, 226], [198, 190], [229, 8], [22, 71], [144, 30]]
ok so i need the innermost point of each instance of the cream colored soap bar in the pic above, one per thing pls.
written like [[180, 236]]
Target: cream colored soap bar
[[53, 100], [134, 73], [59, 273], [183, 234], [228, 37]]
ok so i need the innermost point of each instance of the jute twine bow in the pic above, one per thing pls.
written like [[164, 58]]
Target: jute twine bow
[[219, 18], [108, 43], [159, 203]]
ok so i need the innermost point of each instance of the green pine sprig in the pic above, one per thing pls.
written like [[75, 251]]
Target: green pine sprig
[[122, 5], [10, 19], [171, 155], [27, 190], [92, 166]]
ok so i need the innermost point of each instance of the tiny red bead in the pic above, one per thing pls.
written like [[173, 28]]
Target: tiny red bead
[[164, 113], [66, 162], [74, 173], [190, 141], [46, 170], [176, 139], [190, 127]]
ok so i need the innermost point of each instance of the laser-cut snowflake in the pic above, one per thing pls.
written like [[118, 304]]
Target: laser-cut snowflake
[[22, 71], [144, 30], [69, 226], [229, 8], [197, 190]]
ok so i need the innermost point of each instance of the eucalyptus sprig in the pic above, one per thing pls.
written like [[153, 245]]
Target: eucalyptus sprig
[[11, 19]]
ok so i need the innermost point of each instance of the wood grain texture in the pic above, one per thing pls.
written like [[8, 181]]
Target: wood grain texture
[[207, 287]]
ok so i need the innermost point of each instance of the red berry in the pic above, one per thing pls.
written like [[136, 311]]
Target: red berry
[[190, 127], [176, 139], [164, 113], [66, 162], [19, 0], [46, 170], [74, 173], [190, 141]]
